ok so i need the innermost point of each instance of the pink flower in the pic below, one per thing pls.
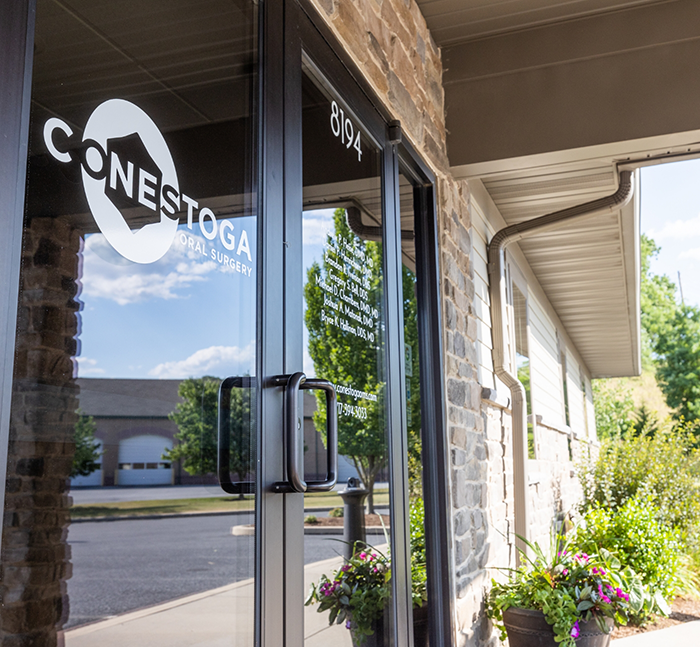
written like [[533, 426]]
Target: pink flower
[[363, 555], [575, 631], [565, 572]]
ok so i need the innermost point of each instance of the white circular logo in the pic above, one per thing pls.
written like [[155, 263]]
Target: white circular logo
[[103, 169]]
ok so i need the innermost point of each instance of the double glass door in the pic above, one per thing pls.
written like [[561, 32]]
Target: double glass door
[[209, 339]]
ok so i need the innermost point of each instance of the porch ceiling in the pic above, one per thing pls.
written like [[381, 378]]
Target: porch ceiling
[[456, 21], [589, 269]]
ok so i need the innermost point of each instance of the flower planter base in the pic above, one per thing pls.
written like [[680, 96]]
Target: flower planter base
[[528, 628], [420, 631]]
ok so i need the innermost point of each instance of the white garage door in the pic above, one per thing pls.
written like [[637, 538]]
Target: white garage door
[[141, 461]]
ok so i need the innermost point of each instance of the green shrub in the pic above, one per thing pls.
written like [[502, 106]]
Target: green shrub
[[634, 534], [312, 518], [419, 575], [662, 469], [336, 512]]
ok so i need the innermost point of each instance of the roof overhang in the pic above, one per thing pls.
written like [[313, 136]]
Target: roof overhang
[[544, 102], [588, 269]]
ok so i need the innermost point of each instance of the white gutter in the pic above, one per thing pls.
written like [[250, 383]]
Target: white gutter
[[497, 293]]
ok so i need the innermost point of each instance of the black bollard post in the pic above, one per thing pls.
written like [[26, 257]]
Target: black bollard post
[[354, 496]]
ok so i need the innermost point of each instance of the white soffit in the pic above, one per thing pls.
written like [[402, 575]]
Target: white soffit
[[588, 269]]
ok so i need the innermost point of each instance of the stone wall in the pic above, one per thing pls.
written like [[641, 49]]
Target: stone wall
[[554, 491], [35, 554]]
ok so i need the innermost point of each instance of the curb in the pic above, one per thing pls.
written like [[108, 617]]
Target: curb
[[176, 515], [248, 530]]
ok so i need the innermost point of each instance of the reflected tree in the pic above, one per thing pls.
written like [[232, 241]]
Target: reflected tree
[[197, 418], [87, 450], [346, 358]]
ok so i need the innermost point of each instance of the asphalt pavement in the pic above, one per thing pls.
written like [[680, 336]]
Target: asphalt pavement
[[113, 494], [129, 564]]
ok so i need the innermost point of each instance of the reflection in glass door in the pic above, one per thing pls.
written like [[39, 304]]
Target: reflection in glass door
[[138, 297], [344, 342]]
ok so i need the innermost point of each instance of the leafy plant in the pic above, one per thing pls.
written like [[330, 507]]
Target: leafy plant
[[419, 575], [311, 519], [678, 364], [614, 409], [357, 592], [662, 470], [570, 588], [635, 536], [336, 512]]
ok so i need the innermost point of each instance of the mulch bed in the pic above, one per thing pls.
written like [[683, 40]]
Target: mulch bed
[[682, 610], [370, 520]]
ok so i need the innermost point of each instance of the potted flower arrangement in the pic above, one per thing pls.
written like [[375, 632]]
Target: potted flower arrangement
[[571, 600], [358, 592]]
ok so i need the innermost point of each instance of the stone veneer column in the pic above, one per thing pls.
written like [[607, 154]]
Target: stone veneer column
[[35, 554]]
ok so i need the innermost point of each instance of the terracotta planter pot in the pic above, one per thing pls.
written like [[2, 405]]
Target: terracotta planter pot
[[528, 628]]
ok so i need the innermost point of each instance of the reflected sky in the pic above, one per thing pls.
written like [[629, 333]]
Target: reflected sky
[[191, 313]]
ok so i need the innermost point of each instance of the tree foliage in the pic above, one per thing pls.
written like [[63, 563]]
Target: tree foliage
[[657, 302], [614, 409], [348, 359], [87, 450], [678, 369], [670, 346], [197, 418]]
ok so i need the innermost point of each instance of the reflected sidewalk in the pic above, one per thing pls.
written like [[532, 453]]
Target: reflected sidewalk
[[221, 617]]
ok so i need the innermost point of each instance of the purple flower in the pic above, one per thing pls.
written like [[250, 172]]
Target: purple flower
[[575, 631], [621, 594], [347, 624]]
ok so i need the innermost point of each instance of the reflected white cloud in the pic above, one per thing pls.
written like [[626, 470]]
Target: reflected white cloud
[[106, 274], [678, 229], [691, 253], [317, 225], [88, 366], [219, 361]]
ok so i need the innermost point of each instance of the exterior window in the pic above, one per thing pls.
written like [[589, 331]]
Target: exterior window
[[522, 361], [584, 395], [565, 385]]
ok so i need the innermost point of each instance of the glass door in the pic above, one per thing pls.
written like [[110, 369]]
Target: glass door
[[138, 298], [347, 549]]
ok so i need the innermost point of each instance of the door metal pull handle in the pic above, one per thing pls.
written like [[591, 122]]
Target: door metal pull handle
[[224, 435], [294, 434]]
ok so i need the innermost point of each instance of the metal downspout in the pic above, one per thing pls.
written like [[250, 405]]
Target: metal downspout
[[497, 293]]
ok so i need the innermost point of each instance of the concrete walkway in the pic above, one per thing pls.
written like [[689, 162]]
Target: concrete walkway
[[221, 617], [684, 635]]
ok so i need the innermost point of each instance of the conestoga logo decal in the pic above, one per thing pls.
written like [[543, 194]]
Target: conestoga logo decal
[[126, 163]]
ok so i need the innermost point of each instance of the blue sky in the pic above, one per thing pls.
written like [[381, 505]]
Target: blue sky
[[670, 213], [184, 315]]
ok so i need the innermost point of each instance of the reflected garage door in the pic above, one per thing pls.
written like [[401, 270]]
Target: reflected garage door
[[141, 461]]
